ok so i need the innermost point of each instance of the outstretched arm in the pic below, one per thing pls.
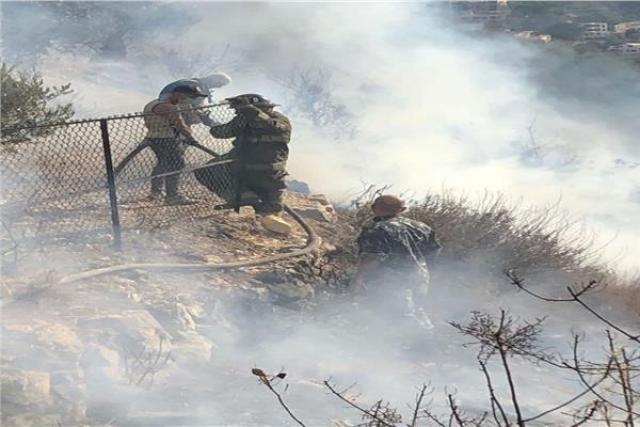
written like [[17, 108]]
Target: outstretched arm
[[229, 130]]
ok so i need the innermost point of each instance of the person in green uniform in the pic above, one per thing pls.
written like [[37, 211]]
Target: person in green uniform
[[261, 148]]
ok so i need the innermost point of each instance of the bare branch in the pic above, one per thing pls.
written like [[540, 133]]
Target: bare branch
[[568, 402], [576, 295], [454, 410], [416, 409], [267, 382], [353, 405], [607, 371], [495, 403]]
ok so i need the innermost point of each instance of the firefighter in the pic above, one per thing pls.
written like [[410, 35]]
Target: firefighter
[[261, 150], [393, 256]]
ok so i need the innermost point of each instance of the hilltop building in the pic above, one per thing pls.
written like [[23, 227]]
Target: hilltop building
[[481, 11], [534, 36], [626, 26], [626, 49], [595, 30]]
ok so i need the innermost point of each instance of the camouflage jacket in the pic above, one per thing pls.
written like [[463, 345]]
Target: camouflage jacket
[[399, 243], [261, 138]]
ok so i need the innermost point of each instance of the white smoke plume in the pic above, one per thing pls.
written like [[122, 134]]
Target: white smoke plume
[[428, 106]]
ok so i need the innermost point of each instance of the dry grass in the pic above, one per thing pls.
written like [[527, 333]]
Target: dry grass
[[495, 235]]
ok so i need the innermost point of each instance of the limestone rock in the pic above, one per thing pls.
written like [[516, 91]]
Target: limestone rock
[[55, 336], [191, 348], [69, 394], [320, 198], [176, 315], [100, 363], [24, 391], [293, 290], [32, 420], [317, 213], [40, 345], [135, 330]]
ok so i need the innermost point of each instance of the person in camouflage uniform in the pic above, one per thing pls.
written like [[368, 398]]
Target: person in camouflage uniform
[[261, 149], [393, 253]]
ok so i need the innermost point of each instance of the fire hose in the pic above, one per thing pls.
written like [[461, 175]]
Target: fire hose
[[313, 243]]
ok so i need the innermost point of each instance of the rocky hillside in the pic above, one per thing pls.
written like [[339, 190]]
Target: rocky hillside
[[65, 345], [170, 348]]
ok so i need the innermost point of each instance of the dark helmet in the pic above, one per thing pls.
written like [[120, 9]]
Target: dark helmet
[[190, 91], [250, 99], [388, 204]]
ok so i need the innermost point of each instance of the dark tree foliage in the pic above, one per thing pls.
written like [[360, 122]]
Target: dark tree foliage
[[27, 101]]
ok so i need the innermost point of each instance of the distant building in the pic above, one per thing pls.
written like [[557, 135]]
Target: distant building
[[594, 30], [626, 26], [481, 11], [626, 49], [534, 36]]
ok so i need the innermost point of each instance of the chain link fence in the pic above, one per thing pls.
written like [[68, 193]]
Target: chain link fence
[[117, 173]]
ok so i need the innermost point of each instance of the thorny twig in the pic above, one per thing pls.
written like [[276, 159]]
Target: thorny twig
[[267, 381], [359, 408], [416, 409], [495, 403], [145, 364], [607, 371], [576, 295]]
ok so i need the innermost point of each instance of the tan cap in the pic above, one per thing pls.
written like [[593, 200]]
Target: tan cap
[[388, 204]]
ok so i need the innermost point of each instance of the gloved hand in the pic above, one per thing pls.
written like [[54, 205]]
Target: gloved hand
[[207, 120]]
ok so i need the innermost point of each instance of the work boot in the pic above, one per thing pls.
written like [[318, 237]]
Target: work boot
[[177, 200], [275, 224]]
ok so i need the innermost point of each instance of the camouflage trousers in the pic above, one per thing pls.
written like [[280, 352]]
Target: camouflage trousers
[[268, 186], [170, 157]]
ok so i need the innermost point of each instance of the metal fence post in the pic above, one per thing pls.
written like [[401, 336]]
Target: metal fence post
[[111, 181]]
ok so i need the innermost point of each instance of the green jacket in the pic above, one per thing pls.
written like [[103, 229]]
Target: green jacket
[[261, 138]]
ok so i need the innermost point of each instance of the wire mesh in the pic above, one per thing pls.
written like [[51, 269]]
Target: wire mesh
[[54, 178]]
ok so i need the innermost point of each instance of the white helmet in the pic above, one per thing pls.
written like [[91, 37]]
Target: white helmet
[[215, 80]]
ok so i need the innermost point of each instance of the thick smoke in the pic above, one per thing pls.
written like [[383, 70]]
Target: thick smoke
[[428, 106]]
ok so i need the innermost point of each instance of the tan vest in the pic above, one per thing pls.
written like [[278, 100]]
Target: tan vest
[[158, 126]]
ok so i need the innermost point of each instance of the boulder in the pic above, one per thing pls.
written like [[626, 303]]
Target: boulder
[[101, 364], [69, 396], [133, 330], [32, 420], [40, 344], [24, 391], [318, 213], [285, 284], [320, 198], [176, 316], [191, 348], [294, 290], [56, 336]]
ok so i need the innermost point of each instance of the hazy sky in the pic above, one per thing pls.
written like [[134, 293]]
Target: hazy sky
[[432, 107]]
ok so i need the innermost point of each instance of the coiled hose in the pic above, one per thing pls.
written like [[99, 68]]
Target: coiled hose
[[313, 243]]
